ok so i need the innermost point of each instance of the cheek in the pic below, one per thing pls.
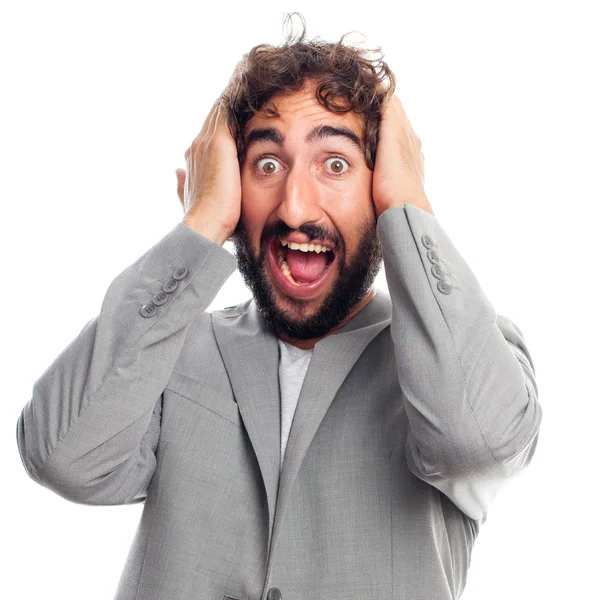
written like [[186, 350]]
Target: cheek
[[252, 206], [350, 212], [364, 195], [255, 213], [349, 215], [352, 198]]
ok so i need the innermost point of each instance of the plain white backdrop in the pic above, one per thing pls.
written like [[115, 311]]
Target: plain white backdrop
[[100, 101]]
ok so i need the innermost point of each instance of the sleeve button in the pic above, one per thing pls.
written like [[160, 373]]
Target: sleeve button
[[444, 286], [160, 298], [170, 286], [426, 241], [437, 271], [148, 310], [274, 594], [433, 256], [180, 273]]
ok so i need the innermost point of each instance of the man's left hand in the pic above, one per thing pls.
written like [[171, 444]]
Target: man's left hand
[[398, 172]]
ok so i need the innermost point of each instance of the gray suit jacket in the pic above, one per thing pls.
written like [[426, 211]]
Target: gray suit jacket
[[409, 420]]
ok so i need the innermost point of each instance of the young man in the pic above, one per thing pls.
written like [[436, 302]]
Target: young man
[[321, 440]]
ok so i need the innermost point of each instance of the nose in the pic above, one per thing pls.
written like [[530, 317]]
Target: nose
[[299, 201]]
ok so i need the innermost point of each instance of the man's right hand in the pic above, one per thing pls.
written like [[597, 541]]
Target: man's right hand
[[211, 191]]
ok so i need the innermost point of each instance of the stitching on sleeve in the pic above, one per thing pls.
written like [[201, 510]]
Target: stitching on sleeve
[[95, 392], [436, 298], [455, 345]]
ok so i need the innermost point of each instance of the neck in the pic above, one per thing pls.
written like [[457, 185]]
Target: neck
[[310, 344]]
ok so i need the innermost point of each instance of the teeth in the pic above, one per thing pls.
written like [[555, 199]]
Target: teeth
[[286, 272], [284, 267], [306, 247]]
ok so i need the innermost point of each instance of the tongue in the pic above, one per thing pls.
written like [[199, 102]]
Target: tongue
[[306, 266]]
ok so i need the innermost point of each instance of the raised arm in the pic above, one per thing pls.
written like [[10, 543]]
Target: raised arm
[[91, 427], [466, 375]]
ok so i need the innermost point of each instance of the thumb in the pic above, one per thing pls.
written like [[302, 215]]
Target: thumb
[[180, 173]]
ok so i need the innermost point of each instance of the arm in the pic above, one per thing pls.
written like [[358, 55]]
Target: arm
[[90, 430], [92, 426], [466, 374]]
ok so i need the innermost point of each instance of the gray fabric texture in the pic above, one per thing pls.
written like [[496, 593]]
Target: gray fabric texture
[[409, 420]]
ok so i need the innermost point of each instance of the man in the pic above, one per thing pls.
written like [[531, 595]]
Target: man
[[321, 440]]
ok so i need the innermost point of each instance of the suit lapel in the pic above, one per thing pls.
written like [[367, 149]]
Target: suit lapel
[[332, 359], [251, 356]]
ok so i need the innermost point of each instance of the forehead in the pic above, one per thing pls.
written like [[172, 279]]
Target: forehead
[[301, 111]]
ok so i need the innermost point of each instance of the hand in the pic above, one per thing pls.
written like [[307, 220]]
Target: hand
[[211, 191], [398, 172]]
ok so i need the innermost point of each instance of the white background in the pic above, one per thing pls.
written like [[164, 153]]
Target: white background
[[100, 101]]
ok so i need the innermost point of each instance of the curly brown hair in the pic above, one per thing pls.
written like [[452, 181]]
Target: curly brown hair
[[348, 79]]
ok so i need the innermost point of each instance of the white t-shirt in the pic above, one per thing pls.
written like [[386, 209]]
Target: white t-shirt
[[293, 364]]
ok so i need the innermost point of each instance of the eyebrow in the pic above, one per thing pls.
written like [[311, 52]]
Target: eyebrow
[[271, 134]]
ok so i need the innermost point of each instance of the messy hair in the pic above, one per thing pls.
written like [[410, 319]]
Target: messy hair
[[348, 78]]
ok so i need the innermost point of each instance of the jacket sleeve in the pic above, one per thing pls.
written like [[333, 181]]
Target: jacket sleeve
[[91, 427], [466, 375]]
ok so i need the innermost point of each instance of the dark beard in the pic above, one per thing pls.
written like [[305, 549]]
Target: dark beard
[[353, 282]]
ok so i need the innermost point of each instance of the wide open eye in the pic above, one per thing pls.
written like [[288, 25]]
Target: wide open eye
[[336, 165], [266, 165]]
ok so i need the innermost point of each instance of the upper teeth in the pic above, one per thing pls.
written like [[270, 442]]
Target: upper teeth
[[305, 247]]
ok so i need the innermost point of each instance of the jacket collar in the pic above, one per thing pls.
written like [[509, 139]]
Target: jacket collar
[[251, 356]]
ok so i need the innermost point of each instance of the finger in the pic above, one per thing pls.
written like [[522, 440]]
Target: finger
[[207, 127], [209, 123], [180, 174], [398, 104], [220, 121], [393, 109]]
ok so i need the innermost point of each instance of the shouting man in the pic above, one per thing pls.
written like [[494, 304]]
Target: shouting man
[[320, 440]]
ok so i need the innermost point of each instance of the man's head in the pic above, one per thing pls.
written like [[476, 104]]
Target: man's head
[[305, 117]]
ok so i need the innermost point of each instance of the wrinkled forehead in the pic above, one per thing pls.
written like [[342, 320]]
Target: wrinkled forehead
[[302, 120]]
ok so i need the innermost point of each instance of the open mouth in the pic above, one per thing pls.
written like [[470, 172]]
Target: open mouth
[[308, 261], [301, 270]]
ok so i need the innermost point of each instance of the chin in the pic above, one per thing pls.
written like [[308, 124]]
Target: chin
[[299, 309]]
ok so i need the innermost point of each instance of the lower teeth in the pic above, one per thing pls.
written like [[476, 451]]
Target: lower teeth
[[284, 268]]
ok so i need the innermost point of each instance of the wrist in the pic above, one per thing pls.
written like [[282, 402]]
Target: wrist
[[207, 227], [420, 201]]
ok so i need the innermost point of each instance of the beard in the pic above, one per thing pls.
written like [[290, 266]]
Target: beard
[[353, 281]]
